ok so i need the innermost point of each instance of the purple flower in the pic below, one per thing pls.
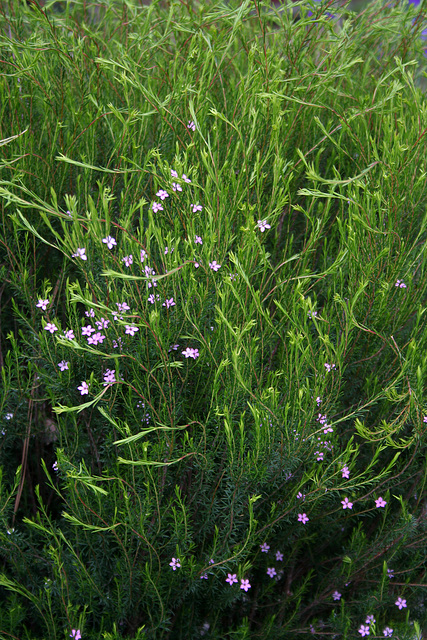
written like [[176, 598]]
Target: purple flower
[[388, 632], [98, 337], [370, 620], [425, 419], [271, 571], [80, 253], [109, 377], [176, 186], [244, 584], [169, 303], [184, 177], [131, 329], [90, 313], [191, 125], [264, 547], [302, 517], [196, 207], [279, 556], [157, 207], [364, 630], [346, 504], [42, 304], [204, 576], [336, 595], [128, 260], [102, 324], [175, 563], [69, 335], [300, 495], [214, 265], [109, 241], [87, 330], [162, 194], [63, 365], [400, 284], [328, 367], [84, 388], [263, 225], [380, 502], [400, 602], [345, 472], [75, 633], [123, 306], [390, 573], [191, 353], [174, 173], [143, 254], [231, 578], [198, 240], [55, 465], [50, 327]]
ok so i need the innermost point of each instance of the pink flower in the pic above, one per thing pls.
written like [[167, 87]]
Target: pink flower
[[87, 330], [84, 388], [63, 365], [191, 125], [169, 303], [345, 472], [42, 304], [191, 353], [401, 603], [128, 260], [176, 186], [346, 504], [131, 330], [175, 563], [388, 632], [364, 630], [98, 337], [162, 194], [109, 241], [336, 595], [380, 502], [184, 177], [263, 225], [174, 173], [75, 633], [271, 571], [231, 578], [196, 207], [214, 265], [157, 207], [50, 327], [69, 335], [279, 556], [302, 517], [264, 547], [80, 253], [244, 584], [199, 240], [143, 254]]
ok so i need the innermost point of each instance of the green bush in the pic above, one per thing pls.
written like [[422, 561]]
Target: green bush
[[213, 341]]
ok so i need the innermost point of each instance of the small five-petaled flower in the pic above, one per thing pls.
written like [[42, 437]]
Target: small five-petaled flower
[[42, 304], [302, 517], [231, 578], [380, 502], [175, 563], [400, 602], [109, 241], [263, 225], [346, 504]]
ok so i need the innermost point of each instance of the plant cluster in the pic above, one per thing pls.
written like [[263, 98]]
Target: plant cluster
[[213, 340]]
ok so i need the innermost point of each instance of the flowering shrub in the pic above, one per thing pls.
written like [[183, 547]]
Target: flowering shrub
[[213, 361]]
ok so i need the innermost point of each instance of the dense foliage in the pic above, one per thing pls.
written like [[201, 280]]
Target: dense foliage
[[213, 337]]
